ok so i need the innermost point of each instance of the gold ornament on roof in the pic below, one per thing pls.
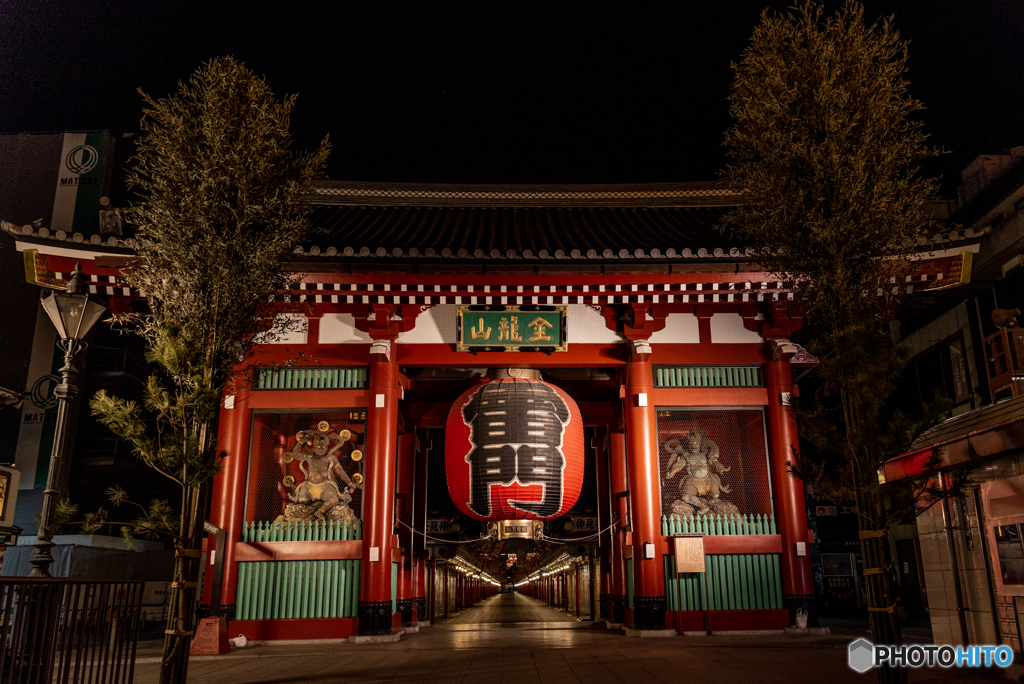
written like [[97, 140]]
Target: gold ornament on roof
[[287, 458], [345, 435], [288, 481], [356, 455], [323, 426], [357, 478]]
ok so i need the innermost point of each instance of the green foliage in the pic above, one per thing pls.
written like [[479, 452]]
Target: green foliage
[[846, 444], [826, 152], [825, 149], [220, 202]]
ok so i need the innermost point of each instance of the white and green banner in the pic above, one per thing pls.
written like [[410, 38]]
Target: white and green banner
[[79, 183]]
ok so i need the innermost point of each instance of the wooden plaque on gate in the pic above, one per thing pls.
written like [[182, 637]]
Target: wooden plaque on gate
[[689, 553]]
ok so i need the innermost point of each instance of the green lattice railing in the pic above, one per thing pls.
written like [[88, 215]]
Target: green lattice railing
[[718, 524], [271, 590], [313, 530], [735, 581], [342, 377], [708, 376]]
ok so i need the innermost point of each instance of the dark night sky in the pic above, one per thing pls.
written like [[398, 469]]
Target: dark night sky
[[551, 92]]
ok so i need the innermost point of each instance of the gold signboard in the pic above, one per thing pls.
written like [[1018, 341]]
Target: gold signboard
[[689, 553], [516, 529], [511, 328]]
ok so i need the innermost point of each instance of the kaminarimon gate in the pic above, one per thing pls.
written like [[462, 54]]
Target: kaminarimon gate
[[578, 393], [337, 497]]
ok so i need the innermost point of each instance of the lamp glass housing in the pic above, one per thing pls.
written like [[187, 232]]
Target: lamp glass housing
[[73, 315]]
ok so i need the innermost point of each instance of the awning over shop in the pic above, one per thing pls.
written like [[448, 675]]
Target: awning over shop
[[983, 433]]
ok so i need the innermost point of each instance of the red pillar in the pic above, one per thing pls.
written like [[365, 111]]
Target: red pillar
[[617, 468], [788, 491], [379, 490], [604, 519], [228, 502], [644, 491], [419, 517], [403, 504]]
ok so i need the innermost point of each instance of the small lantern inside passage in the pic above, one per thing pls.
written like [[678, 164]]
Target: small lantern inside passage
[[514, 450]]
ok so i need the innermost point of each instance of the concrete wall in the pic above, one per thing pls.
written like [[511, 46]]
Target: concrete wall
[[974, 576]]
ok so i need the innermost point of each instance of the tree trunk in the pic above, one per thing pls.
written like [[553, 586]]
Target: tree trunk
[[882, 618], [183, 599]]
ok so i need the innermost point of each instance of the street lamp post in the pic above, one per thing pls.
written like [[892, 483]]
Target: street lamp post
[[73, 312]]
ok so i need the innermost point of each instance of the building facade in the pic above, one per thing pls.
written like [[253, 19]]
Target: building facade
[[967, 346], [337, 498]]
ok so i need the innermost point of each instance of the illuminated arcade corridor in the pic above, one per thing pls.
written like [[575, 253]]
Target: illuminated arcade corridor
[[511, 610]]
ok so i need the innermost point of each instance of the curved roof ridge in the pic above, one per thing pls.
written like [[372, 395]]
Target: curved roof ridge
[[702, 193]]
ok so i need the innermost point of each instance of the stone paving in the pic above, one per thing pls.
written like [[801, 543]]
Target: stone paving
[[512, 638]]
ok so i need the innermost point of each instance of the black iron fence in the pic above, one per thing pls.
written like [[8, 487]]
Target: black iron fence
[[68, 630]]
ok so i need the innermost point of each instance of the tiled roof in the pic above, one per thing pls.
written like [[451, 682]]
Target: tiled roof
[[514, 232]]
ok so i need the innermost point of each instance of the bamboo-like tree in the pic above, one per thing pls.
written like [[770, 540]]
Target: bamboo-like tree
[[220, 201], [827, 150]]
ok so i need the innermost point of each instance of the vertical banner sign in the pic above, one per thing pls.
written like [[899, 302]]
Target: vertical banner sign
[[79, 183], [689, 553]]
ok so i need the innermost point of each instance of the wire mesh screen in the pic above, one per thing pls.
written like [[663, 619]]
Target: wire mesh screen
[[713, 461], [306, 467]]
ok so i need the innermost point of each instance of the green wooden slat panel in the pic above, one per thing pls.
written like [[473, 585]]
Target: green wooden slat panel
[[290, 580], [261, 604], [724, 582], [354, 589], [737, 580], [311, 378], [670, 581], [305, 580], [777, 581], [243, 593], [707, 376], [394, 587], [766, 593]]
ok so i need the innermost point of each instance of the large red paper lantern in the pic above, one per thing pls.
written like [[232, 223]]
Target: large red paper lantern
[[514, 450]]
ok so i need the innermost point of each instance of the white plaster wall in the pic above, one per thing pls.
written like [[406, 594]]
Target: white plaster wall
[[587, 326], [727, 328], [436, 325], [340, 328], [679, 328]]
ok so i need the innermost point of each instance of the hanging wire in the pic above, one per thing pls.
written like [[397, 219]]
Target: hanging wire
[[577, 539], [443, 541]]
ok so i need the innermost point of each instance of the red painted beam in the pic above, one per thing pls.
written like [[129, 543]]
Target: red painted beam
[[734, 543], [308, 399], [723, 396], [299, 550], [302, 628]]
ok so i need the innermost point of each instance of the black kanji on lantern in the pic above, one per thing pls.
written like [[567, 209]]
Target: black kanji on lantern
[[516, 431]]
